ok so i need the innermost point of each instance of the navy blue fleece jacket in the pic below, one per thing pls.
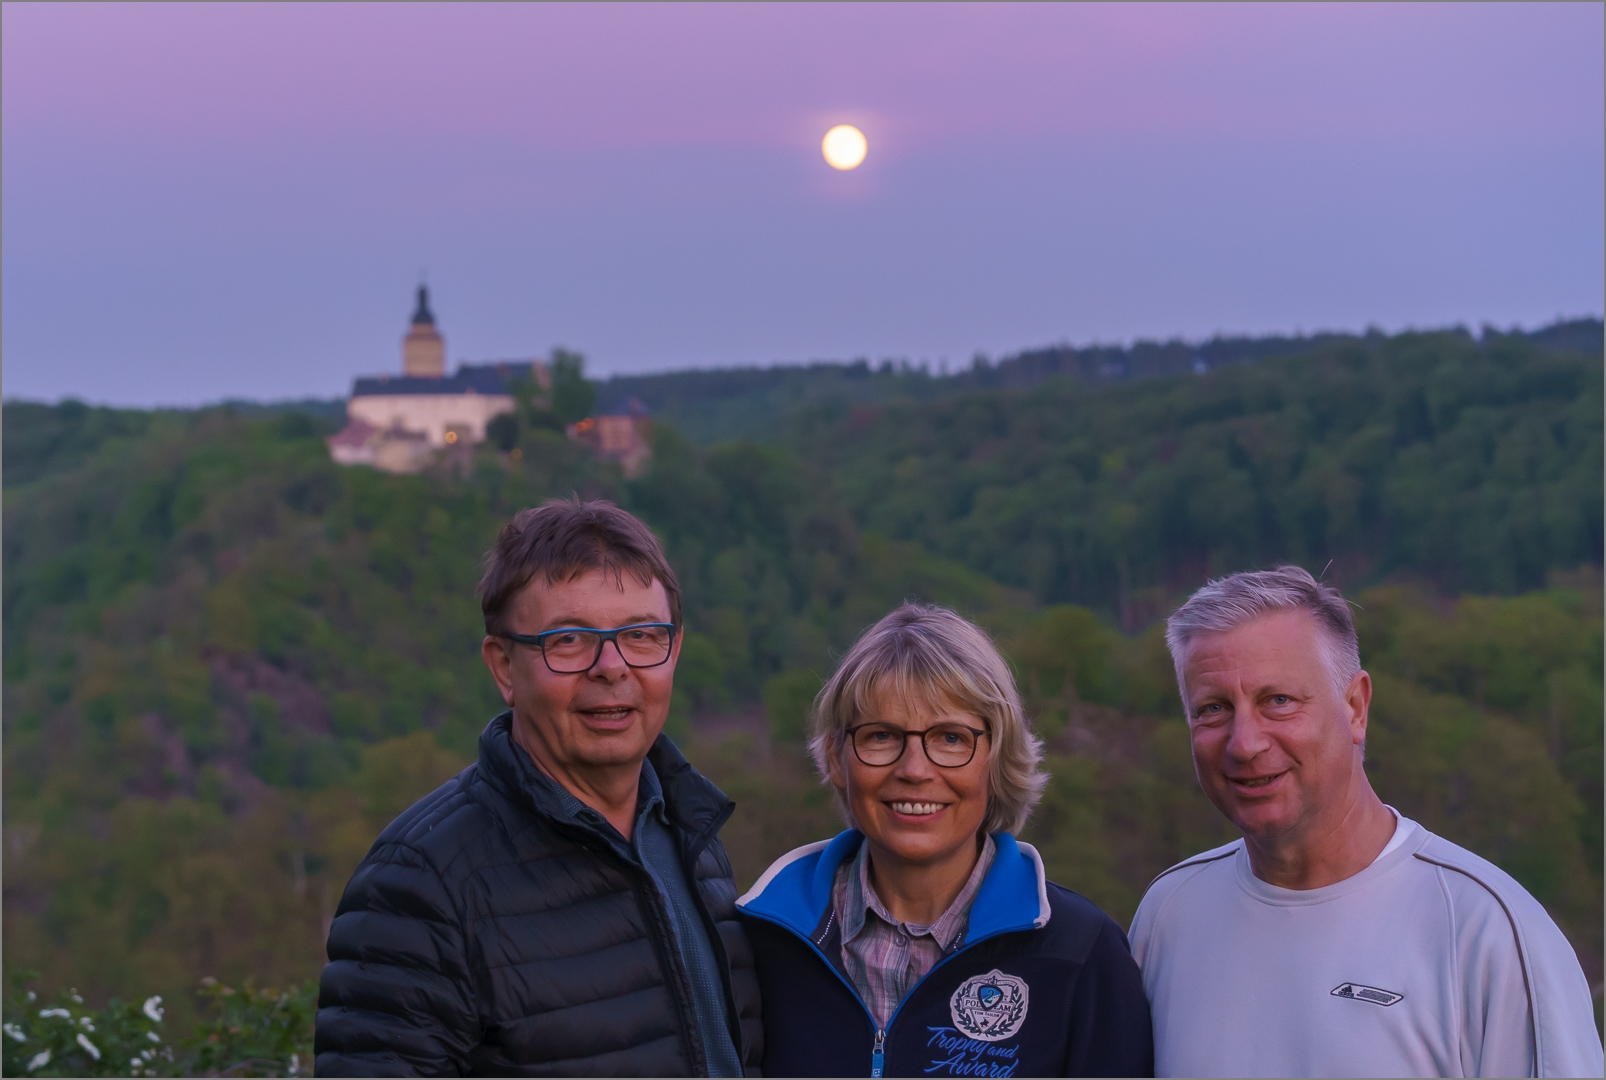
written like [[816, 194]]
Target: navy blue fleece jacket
[[1041, 983]]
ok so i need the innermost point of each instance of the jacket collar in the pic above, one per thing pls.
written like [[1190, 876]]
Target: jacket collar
[[796, 890], [691, 803]]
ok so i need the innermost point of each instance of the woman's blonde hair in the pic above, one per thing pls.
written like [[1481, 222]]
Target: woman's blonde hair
[[932, 656]]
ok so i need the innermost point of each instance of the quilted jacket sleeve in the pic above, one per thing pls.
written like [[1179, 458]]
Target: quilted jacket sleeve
[[396, 998]]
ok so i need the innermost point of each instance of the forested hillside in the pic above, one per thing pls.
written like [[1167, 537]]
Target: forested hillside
[[228, 662], [1474, 465]]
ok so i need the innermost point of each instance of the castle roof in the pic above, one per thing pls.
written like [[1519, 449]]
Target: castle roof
[[470, 379], [355, 433]]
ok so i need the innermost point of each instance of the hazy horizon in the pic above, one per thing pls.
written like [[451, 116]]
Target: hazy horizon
[[953, 368]]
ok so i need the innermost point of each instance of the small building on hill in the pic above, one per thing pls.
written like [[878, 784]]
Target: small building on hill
[[393, 450], [618, 436], [398, 422]]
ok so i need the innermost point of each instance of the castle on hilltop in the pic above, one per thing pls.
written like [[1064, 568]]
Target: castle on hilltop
[[400, 423], [397, 423]]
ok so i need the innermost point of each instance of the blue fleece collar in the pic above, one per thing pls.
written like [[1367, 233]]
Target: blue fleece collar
[[796, 890]]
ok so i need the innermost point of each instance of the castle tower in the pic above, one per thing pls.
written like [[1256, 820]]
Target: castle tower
[[423, 349]]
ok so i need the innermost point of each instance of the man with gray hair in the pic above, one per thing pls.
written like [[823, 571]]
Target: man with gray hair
[[1337, 938]]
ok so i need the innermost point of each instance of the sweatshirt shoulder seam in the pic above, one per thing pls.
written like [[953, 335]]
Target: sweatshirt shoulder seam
[[1201, 859], [1471, 874], [1175, 885]]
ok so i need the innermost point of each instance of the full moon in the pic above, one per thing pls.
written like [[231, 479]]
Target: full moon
[[844, 147]]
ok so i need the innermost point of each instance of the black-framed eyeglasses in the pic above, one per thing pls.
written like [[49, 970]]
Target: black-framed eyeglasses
[[948, 746], [570, 650]]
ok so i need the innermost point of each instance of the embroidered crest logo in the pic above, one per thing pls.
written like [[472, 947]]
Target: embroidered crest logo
[[990, 1007]]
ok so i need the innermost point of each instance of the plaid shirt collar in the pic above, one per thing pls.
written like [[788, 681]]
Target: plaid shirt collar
[[857, 899], [883, 958]]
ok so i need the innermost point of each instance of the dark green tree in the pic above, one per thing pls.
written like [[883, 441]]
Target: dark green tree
[[573, 396], [503, 431]]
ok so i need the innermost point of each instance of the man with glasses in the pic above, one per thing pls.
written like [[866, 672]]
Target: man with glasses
[[564, 905]]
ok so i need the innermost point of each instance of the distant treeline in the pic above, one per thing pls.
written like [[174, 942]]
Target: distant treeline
[[711, 405], [229, 662]]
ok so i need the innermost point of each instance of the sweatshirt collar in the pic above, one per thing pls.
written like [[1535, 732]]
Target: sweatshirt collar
[[1413, 838], [796, 890]]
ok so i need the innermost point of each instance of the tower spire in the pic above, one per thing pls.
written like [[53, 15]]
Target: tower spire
[[423, 316]]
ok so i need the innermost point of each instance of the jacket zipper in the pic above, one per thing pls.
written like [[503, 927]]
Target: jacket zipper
[[689, 862], [877, 1057], [674, 963], [663, 945]]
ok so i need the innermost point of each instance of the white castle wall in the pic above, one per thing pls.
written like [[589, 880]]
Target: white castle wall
[[432, 414]]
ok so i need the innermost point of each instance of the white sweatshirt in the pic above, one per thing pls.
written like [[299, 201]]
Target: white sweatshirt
[[1430, 962]]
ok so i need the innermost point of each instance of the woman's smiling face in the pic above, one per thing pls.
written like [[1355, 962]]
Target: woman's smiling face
[[914, 811]]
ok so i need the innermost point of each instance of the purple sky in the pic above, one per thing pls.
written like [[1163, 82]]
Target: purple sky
[[203, 201]]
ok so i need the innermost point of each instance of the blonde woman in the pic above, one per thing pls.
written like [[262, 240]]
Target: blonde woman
[[925, 940]]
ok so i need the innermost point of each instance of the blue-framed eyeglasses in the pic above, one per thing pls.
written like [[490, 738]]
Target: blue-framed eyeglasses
[[570, 650]]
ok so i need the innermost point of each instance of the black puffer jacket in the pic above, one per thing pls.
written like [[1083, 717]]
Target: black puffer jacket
[[486, 935]]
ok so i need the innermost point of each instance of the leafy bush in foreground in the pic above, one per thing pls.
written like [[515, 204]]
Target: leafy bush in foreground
[[246, 1032]]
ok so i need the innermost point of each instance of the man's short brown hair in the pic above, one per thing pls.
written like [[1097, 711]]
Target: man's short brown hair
[[564, 538]]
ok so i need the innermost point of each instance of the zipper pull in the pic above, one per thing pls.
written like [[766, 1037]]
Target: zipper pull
[[878, 1055]]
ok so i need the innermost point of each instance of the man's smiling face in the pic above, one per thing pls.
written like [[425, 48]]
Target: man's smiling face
[[1275, 745], [602, 718]]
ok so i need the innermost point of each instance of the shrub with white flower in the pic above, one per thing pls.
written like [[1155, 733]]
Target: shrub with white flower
[[244, 1032], [68, 1038]]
